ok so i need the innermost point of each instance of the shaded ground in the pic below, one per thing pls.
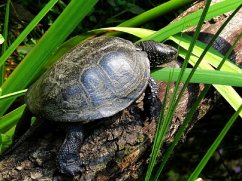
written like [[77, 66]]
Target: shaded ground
[[225, 164]]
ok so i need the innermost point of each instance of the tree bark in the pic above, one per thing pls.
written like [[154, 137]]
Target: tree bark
[[118, 148]]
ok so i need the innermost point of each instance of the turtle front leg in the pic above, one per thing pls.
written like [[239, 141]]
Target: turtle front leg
[[68, 158], [151, 100]]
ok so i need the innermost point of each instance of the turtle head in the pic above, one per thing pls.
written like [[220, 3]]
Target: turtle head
[[158, 53]]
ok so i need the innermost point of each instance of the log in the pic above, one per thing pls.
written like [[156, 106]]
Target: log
[[119, 148]]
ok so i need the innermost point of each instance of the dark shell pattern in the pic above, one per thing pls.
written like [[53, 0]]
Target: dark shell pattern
[[96, 79]]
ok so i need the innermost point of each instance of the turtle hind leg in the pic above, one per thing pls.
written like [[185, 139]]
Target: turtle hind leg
[[68, 158], [23, 124], [152, 103]]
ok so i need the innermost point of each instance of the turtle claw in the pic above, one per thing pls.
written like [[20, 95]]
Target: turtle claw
[[152, 102], [70, 164]]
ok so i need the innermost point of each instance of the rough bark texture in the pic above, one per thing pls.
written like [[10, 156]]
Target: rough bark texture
[[119, 148]]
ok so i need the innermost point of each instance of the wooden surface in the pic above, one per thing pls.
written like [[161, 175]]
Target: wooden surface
[[119, 148]]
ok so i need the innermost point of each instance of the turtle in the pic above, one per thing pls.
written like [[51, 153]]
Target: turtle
[[93, 81]]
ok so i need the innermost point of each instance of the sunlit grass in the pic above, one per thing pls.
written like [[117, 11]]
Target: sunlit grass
[[5, 36], [51, 47], [32, 65]]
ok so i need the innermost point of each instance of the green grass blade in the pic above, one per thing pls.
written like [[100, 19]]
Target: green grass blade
[[201, 76], [188, 55], [9, 120], [206, 48], [212, 57], [33, 63], [159, 129], [229, 94], [234, 99], [190, 114], [139, 32], [13, 94], [155, 12], [214, 146], [6, 140], [1, 39], [182, 24], [27, 30], [199, 60], [174, 99], [193, 18], [175, 27], [5, 35]]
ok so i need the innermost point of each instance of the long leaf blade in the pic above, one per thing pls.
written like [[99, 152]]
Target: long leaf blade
[[215, 145], [33, 63], [201, 76]]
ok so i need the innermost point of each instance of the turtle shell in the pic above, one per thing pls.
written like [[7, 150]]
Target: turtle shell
[[96, 79]]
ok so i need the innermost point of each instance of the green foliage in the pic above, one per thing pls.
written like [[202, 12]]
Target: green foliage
[[9, 120], [85, 15], [1, 39], [200, 76], [192, 20], [214, 146], [26, 31], [5, 35], [6, 140], [174, 101], [32, 66]]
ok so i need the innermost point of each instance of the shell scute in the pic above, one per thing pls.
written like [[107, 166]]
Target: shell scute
[[96, 79]]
